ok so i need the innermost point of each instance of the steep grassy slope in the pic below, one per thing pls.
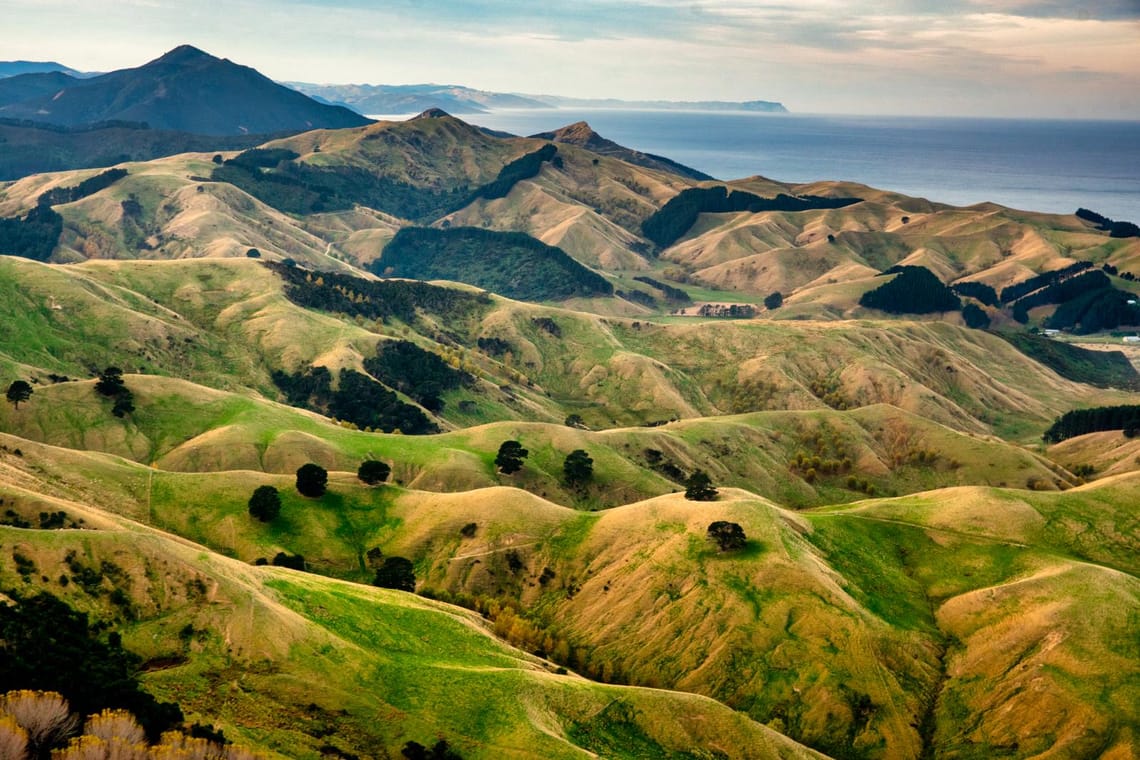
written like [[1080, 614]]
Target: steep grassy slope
[[300, 666]]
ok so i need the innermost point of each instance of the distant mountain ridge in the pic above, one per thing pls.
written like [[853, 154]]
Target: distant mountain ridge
[[413, 98], [15, 68], [375, 99], [185, 90]]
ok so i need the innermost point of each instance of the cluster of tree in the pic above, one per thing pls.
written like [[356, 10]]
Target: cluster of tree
[[35, 725], [1016, 291], [394, 572], [547, 325], [510, 458], [403, 365], [1063, 290], [512, 264], [1081, 421], [1101, 309], [18, 392], [728, 536], [87, 187], [1114, 229], [521, 168], [979, 291], [493, 346], [916, 290], [671, 293], [639, 297], [357, 399], [32, 237], [354, 296], [669, 223], [727, 311], [45, 645], [1104, 369], [276, 178], [111, 385], [441, 750], [1112, 270], [975, 316], [699, 487]]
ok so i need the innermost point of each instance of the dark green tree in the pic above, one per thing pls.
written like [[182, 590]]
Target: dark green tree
[[110, 382], [975, 316], [397, 573], [372, 471], [773, 300], [578, 469], [124, 404], [699, 487], [265, 503], [19, 391], [312, 480], [575, 421], [510, 457], [728, 535], [46, 645]]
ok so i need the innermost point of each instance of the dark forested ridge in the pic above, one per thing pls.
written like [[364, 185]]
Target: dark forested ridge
[[357, 399], [355, 296], [669, 223], [914, 290], [1082, 421], [512, 264], [1113, 228], [1104, 369]]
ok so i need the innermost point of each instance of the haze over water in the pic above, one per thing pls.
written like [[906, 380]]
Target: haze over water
[[1036, 165]]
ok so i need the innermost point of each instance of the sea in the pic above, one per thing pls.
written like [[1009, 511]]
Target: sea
[[1054, 166]]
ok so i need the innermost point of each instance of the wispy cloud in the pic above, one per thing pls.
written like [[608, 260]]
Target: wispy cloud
[[968, 56]]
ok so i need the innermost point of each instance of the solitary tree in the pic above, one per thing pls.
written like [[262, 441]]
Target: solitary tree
[[19, 391], [699, 487], [373, 471], [397, 573], [510, 457], [773, 300], [265, 504], [312, 480], [578, 469], [728, 535]]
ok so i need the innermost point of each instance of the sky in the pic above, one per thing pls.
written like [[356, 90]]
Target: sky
[[1006, 58]]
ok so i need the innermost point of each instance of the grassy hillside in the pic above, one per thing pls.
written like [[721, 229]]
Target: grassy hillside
[[342, 654], [873, 595]]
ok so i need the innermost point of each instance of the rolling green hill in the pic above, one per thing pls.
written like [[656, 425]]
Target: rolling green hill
[[919, 575]]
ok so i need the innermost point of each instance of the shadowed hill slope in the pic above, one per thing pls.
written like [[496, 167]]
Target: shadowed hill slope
[[185, 90]]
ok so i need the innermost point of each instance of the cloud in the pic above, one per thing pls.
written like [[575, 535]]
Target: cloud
[[866, 55]]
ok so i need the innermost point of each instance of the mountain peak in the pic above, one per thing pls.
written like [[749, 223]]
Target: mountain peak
[[184, 54], [432, 113]]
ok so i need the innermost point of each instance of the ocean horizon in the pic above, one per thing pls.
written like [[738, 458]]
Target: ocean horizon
[[1046, 165]]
